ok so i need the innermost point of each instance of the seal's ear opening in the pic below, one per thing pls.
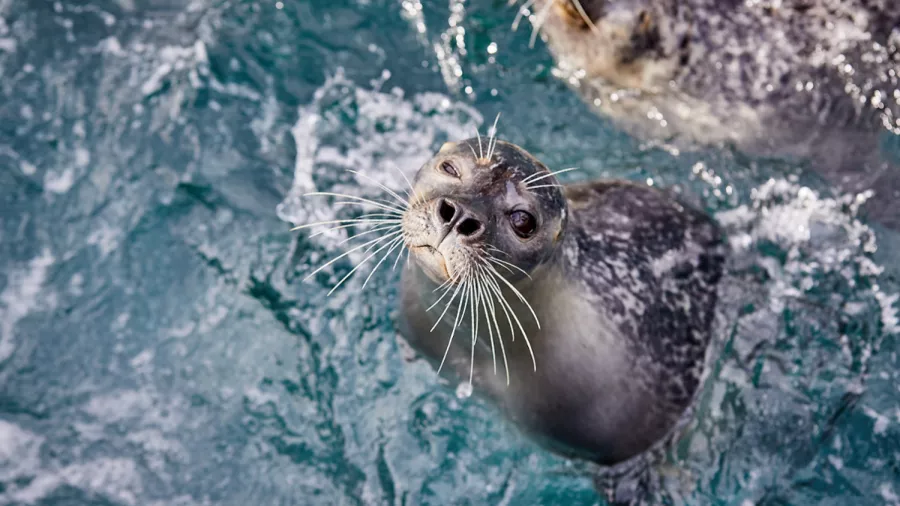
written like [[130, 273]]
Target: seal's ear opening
[[447, 147]]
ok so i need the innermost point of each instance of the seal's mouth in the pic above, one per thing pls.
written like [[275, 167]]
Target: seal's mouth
[[432, 262]]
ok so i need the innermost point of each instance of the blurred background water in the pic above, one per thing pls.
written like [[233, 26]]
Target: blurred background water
[[158, 345]]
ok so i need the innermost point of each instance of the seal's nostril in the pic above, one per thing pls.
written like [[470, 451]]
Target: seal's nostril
[[446, 211], [468, 227]]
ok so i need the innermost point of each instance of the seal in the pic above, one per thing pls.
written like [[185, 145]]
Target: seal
[[744, 72], [814, 80], [581, 311]]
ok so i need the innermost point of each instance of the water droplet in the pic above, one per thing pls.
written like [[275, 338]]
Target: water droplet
[[464, 390]]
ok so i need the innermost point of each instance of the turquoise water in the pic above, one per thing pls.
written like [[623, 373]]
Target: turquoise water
[[159, 347]]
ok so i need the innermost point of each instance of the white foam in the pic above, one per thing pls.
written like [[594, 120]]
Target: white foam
[[19, 452], [105, 237], [59, 182], [82, 157], [27, 168], [152, 410], [8, 44], [20, 297], [142, 360], [172, 59], [391, 132], [889, 316], [158, 449], [837, 462], [825, 229], [117, 479], [886, 490], [257, 398], [28, 481], [881, 421]]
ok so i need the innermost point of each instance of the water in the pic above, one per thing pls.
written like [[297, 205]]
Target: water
[[158, 345]]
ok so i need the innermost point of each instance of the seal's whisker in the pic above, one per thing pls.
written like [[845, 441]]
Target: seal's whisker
[[537, 176], [449, 303], [499, 335], [507, 268], [480, 149], [414, 196], [396, 212], [543, 186], [396, 242], [523, 10], [496, 294], [539, 22], [518, 294], [473, 305], [448, 286], [484, 305], [442, 285], [512, 312], [346, 224], [376, 229], [498, 250], [392, 193], [399, 254], [455, 324], [383, 205], [348, 252], [501, 299], [345, 278], [473, 151], [504, 263], [355, 224], [493, 140]]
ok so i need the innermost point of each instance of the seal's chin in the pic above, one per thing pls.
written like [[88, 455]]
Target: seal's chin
[[432, 263]]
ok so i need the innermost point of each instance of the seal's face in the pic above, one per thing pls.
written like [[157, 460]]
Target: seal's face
[[631, 43], [470, 213]]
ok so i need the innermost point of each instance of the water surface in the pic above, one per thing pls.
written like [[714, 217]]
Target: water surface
[[158, 344]]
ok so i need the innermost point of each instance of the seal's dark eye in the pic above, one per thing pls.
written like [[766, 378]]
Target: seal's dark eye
[[448, 168], [523, 223]]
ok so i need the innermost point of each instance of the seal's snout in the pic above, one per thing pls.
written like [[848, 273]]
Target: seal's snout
[[446, 211], [625, 15], [453, 216], [632, 22]]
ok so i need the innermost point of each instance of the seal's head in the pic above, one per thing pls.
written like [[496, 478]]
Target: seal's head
[[504, 211], [629, 43]]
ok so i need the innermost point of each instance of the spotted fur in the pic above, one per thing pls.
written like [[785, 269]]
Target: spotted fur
[[623, 300], [653, 265]]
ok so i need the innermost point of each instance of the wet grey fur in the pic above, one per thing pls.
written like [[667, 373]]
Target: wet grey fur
[[625, 300]]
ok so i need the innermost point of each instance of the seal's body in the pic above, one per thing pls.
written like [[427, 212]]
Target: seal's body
[[774, 77], [621, 279]]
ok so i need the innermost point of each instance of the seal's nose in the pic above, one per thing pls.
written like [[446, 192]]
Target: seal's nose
[[446, 212], [453, 216], [619, 16], [469, 227]]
